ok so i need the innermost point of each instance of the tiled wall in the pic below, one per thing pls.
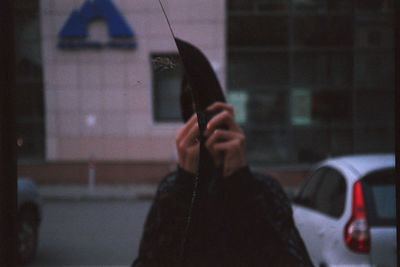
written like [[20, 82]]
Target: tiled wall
[[113, 87]]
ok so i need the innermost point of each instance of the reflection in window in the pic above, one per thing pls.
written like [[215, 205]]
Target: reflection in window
[[333, 69], [323, 31], [375, 5], [308, 191], [258, 69], [253, 31], [329, 66], [264, 146], [331, 194], [257, 5], [167, 79]]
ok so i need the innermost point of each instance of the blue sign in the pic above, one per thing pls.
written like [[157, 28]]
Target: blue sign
[[75, 29]]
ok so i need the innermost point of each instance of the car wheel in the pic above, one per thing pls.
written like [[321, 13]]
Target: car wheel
[[27, 236]]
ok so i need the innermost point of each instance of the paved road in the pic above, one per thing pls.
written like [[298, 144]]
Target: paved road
[[90, 233]]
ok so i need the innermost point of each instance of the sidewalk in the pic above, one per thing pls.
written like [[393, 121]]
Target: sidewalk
[[98, 192], [107, 192]]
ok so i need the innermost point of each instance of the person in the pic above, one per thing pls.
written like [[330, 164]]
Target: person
[[247, 219]]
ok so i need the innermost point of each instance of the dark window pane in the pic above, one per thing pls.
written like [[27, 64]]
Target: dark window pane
[[322, 68], [375, 5], [234, 5], [312, 144], [374, 69], [167, 79], [257, 70], [331, 106], [320, 107], [380, 138], [374, 107], [331, 194], [323, 31], [328, 5], [265, 108], [266, 146], [252, 5], [273, 5], [257, 31], [306, 196], [380, 197]]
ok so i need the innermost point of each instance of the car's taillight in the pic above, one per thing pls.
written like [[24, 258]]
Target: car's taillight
[[356, 232]]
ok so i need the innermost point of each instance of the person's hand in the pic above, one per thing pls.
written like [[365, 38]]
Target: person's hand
[[227, 147], [188, 145]]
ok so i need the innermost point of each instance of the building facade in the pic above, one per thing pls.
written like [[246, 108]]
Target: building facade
[[98, 80]]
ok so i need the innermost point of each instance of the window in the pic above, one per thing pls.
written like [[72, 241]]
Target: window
[[380, 197], [307, 193], [325, 191], [167, 79], [330, 66], [253, 31], [331, 194]]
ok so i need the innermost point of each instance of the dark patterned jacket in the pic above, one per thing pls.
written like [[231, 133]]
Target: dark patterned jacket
[[246, 221]]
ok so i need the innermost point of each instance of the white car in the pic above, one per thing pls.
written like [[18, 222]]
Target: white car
[[346, 211]]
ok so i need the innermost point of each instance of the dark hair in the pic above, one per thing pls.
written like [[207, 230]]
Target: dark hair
[[186, 100], [199, 79]]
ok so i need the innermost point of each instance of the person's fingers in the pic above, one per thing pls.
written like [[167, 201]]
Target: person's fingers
[[222, 106], [191, 136], [220, 135], [235, 144], [186, 127], [222, 118]]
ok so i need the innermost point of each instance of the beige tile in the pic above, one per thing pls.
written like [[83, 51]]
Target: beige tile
[[46, 6], [137, 22], [66, 7], [51, 100], [69, 123], [90, 99], [90, 56], [115, 148], [207, 10], [66, 74], [114, 124], [202, 34], [62, 56], [46, 25], [138, 123], [90, 76], [68, 99], [114, 75], [92, 124], [52, 148], [137, 74], [125, 6], [111, 57], [74, 148], [51, 124], [138, 99], [151, 148], [49, 51], [113, 99]]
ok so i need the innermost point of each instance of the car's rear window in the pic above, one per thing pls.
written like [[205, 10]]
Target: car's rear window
[[380, 197]]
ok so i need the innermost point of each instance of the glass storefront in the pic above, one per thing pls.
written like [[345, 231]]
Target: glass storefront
[[319, 77]]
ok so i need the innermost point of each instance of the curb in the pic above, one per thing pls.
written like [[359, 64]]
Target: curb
[[97, 193], [145, 192]]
